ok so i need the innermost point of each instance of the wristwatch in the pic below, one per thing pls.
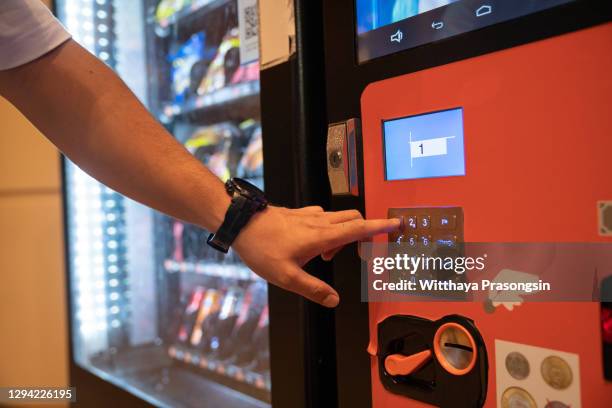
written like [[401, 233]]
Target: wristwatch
[[247, 200]]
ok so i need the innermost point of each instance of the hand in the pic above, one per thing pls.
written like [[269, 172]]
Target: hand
[[277, 242]]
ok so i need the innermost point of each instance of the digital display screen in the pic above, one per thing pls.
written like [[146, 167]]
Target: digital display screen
[[422, 146], [388, 26]]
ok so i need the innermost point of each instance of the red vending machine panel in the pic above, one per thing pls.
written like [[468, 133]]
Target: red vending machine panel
[[536, 147]]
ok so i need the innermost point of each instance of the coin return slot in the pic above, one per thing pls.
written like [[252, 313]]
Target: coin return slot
[[440, 362], [454, 349]]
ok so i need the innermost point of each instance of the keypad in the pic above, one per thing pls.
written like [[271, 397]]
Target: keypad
[[440, 226], [429, 231]]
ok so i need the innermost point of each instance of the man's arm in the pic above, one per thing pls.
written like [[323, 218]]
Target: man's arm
[[81, 106]]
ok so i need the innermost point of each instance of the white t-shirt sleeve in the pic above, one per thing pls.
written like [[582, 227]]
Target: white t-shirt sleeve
[[28, 30]]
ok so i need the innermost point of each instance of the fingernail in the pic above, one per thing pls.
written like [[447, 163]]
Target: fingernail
[[331, 301]]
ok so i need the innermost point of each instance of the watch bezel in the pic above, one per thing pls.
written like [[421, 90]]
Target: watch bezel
[[246, 189]]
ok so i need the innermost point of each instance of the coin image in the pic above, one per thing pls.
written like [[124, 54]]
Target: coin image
[[517, 365], [556, 372], [516, 397], [556, 404]]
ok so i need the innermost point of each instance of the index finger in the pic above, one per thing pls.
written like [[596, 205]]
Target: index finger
[[355, 230]]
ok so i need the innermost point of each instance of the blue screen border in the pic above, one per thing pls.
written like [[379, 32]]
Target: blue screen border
[[384, 142]]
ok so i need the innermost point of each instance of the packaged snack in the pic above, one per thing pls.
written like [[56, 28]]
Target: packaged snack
[[188, 55], [251, 163], [167, 8], [224, 65]]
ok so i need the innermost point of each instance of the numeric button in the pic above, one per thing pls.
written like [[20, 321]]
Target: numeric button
[[425, 240], [412, 240], [446, 221], [411, 222], [425, 222], [447, 241]]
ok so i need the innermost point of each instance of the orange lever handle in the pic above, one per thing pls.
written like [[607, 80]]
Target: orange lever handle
[[399, 364]]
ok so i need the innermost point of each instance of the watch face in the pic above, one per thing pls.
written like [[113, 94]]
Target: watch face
[[247, 189]]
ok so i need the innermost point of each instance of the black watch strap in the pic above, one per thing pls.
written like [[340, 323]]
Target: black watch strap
[[237, 216]]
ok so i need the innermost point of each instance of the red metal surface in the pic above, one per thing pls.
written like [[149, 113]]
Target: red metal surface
[[538, 150]]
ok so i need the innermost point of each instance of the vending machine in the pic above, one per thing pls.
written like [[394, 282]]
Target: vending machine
[[471, 121], [156, 316]]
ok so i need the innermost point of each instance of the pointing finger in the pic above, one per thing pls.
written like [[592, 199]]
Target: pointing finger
[[309, 209], [343, 216], [356, 230]]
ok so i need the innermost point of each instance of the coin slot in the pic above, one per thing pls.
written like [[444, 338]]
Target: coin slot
[[438, 362], [454, 348], [459, 346]]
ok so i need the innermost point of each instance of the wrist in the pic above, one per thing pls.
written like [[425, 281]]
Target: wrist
[[249, 232], [247, 200], [211, 216], [219, 212]]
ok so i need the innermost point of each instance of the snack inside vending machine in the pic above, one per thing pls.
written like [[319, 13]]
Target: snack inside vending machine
[[156, 316], [484, 127]]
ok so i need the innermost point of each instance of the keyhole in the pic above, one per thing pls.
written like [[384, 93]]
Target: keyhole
[[335, 158]]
